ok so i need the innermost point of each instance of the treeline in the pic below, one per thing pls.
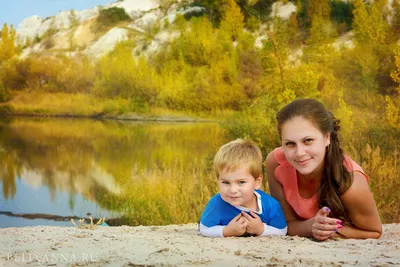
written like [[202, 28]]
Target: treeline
[[237, 57]]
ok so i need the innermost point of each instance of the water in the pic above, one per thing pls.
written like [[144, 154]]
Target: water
[[54, 169]]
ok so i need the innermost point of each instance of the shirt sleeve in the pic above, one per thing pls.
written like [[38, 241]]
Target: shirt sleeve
[[210, 215], [270, 230], [276, 217], [278, 220], [214, 231]]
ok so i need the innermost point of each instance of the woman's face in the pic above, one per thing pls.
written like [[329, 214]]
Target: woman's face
[[304, 145]]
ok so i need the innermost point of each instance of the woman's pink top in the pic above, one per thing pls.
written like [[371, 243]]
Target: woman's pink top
[[286, 175]]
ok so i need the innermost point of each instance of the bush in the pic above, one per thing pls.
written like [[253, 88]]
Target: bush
[[14, 74], [6, 109], [4, 95], [342, 13], [112, 15], [253, 23]]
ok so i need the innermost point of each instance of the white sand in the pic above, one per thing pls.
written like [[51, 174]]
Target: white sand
[[181, 245]]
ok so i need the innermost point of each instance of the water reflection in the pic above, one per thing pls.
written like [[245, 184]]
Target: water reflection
[[69, 167]]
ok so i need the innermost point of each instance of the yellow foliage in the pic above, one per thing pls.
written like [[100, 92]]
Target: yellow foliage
[[58, 103], [232, 20], [7, 46], [345, 114], [119, 74], [392, 113], [303, 81], [370, 23], [383, 171], [395, 74], [286, 97]]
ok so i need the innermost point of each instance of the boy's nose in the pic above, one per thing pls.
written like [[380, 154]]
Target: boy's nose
[[233, 188]]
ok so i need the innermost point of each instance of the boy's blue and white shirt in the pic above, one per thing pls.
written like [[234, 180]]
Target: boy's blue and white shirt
[[219, 213]]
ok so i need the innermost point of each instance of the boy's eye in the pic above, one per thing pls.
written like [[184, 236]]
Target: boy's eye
[[225, 182], [242, 182]]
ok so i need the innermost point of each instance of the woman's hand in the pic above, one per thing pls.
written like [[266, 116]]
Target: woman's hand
[[324, 227]]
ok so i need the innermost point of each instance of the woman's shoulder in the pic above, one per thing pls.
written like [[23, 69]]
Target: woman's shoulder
[[353, 166], [277, 157]]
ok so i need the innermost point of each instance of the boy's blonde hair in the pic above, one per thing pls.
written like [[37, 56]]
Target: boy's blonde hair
[[237, 154]]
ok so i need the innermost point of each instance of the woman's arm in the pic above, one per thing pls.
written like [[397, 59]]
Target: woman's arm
[[359, 203], [296, 226]]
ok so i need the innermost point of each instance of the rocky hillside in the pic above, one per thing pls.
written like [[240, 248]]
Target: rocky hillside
[[75, 31]]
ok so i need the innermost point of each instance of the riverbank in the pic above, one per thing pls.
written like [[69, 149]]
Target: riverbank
[[45, 104], [181, 245]]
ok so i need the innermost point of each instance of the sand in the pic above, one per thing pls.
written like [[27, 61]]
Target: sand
[[181, 245]]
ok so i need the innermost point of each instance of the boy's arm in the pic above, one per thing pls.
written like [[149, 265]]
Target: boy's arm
[[214, 231], [210, 224], [270, 230]]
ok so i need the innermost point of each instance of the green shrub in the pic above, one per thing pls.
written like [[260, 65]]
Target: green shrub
[[253, 23], [6, 109], [342, 13], [4, 95], [112, 15]]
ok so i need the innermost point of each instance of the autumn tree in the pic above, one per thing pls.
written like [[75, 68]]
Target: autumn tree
[[232, 20], [395, 18], [395, 74], [320, 33], [7, 43], [370, 21], [318, 8], [321, 30], [276, 49]]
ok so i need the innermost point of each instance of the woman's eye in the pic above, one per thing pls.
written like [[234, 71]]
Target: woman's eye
[[290, 144], [308, 141]]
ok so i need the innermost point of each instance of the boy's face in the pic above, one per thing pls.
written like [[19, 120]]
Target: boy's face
[[237, 187]]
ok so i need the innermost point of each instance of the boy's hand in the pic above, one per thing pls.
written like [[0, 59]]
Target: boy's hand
[[236, 227], [255, 225]]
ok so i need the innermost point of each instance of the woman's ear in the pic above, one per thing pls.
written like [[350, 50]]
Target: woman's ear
[[328, 139]]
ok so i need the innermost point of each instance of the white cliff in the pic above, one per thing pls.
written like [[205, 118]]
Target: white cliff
[[282, 10], [107, 42]]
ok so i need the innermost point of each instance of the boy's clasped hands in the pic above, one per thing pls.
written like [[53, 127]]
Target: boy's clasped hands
[[244, 223]]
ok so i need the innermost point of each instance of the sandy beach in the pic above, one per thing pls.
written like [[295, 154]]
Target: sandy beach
[[181, 245]]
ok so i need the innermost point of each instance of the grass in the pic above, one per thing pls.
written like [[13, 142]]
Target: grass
[[63, 104], [166, 196], [383, 172], [85, 105], [178, 195]]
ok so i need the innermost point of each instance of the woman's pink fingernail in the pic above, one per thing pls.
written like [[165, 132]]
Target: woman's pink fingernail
[[339, 226], [338, 221]]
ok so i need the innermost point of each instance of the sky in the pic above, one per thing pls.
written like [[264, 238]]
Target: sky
[[14, 11]]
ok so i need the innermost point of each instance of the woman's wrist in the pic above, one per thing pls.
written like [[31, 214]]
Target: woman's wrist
[[310, 223]]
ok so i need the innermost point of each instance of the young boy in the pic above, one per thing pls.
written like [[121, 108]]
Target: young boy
[[240, 209]]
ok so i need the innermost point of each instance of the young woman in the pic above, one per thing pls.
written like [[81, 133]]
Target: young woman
[[322, 192]]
